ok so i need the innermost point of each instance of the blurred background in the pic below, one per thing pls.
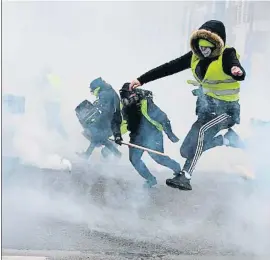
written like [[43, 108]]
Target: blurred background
[[52, 50]]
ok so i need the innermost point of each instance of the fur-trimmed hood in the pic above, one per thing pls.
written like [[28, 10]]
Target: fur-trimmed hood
[[213, 31]]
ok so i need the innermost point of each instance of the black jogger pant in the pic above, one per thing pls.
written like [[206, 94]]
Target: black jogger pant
[[201, 137]]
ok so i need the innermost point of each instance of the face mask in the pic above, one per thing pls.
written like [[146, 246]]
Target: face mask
[[206, 51]]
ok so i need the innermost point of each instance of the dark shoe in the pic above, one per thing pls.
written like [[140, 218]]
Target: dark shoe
[[179, 182]]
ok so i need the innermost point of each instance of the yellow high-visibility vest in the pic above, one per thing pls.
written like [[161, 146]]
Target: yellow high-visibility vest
[[216, 83]]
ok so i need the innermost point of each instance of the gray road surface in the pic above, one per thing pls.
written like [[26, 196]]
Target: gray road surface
[[105, 217]]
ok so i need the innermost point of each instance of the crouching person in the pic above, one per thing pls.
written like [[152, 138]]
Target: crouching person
[[101, 119], [146, 123], [94, 133]]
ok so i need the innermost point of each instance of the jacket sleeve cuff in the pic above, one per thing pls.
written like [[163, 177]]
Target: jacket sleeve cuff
[[141, 80]]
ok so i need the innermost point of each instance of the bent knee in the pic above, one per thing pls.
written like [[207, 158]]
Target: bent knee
[[183, 152], [186, 152]]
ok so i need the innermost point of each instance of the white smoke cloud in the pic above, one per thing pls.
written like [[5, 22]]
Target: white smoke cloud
[[119, 41]]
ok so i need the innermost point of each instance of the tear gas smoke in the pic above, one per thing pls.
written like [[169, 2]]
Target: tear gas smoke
[[80, 41]]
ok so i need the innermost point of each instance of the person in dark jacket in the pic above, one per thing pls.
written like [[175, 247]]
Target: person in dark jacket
[[217, 72], [146, 123], [100, 120]]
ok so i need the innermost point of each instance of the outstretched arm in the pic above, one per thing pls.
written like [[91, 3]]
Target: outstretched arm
[[230, 64], [167, 69]]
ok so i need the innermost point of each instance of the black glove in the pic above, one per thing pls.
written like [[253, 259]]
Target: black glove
[[118, 139]]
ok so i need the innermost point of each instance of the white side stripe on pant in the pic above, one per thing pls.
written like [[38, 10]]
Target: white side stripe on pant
[[200, 141]]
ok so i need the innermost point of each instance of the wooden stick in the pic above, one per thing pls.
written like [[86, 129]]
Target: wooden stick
[[142, 148]]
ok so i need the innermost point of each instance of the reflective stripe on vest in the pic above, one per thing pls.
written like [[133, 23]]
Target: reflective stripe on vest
[[145, 114], [225, 92], [215, 82]]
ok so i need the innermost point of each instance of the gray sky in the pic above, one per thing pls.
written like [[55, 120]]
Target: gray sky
[[118, 41]]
